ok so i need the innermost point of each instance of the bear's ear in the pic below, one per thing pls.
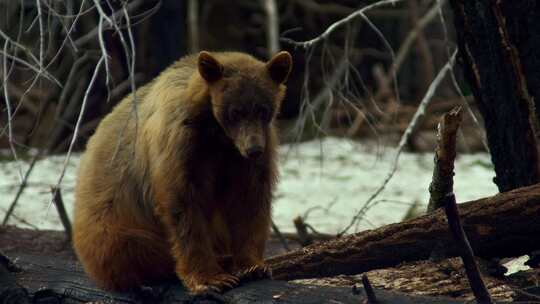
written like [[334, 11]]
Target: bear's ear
[[280, 66], [209, 68]]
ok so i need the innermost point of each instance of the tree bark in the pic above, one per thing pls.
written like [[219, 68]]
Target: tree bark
[[505, 225], [498, 44]]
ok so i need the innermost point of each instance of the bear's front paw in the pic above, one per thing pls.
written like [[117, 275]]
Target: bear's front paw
[[255, 272], [207, 284]]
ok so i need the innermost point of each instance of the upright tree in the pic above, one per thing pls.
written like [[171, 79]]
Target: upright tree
[[499, 43]]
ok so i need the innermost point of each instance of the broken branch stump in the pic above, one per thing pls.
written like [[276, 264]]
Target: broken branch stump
[[442, 182]]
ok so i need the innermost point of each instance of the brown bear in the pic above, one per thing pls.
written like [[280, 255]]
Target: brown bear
[[180, 181]]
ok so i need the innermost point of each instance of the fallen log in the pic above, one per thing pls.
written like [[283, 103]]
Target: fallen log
[[504, 225], [45, 279]]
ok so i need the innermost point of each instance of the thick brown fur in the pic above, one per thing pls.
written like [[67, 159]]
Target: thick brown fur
[[181, 182]]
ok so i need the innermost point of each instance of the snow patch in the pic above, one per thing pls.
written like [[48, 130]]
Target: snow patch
[[325, 180]]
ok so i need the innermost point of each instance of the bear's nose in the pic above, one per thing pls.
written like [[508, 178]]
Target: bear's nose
[[254, 151]]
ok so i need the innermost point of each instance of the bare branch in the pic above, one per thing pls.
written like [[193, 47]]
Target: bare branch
[[9, 112], [193, 25], [413, 34], [22, 186], [20, 46], [325, 8], [133, 5], [41, 36], [38, 70], [133, 57], [338, 24], [272, 26], [103, 47], [79, 120], [420, 112]]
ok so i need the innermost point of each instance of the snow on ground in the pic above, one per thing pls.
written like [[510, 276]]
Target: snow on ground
[[326, 180]]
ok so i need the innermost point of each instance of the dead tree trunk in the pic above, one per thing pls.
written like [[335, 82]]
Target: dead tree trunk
[[498, 43]]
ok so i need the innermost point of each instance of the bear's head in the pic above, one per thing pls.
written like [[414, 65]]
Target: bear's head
[[246, 95]]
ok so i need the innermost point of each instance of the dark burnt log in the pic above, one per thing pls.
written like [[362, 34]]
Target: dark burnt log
[[498, 45], [504, 225], [45, 279]]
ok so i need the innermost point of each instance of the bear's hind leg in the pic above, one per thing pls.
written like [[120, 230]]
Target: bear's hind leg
[[123, 259]]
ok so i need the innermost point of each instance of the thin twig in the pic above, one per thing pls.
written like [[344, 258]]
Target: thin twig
[[21, 220], [68, 35], [103, 48], [130, 57], [193, 25], [413, 34], [133, 5], [22, 186], [324, 8], [10, 114], [19, 46], [338, 24], [41, 37], [272, 26], [420, 112], [44, 73], [310, 107], [132, 68], [327, 93], [79, 120]]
